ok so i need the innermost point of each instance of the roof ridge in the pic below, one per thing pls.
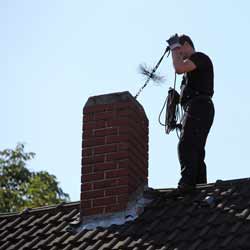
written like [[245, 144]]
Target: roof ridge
[[218, 182], [41, 209]]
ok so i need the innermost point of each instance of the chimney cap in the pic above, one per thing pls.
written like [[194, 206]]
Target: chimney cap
[[112, 98]]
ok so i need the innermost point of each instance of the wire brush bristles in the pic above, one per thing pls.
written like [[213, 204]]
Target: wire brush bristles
[[148, 72]]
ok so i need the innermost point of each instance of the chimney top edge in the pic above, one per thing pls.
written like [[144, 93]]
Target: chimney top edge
[[111, 98]]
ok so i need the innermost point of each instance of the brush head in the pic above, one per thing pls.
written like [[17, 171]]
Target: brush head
[[148, 72]]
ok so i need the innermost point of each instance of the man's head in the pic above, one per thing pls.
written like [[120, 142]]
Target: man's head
[[187, 46]]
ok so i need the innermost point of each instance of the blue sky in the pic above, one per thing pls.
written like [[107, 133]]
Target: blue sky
[[55, 54]]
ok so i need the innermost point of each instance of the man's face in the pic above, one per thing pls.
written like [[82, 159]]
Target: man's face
[[183, 50]]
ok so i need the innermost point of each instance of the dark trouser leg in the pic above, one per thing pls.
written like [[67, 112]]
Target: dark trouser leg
[[191, 148], [202, 170], [188, 160]]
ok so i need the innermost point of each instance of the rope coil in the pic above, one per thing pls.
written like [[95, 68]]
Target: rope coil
[[173, 111]]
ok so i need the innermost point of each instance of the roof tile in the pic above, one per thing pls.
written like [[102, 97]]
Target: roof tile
[[5, 245], [215, 216], [109, 244], [227, 241]]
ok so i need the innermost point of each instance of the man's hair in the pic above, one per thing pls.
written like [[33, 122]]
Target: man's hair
[[185, 38]]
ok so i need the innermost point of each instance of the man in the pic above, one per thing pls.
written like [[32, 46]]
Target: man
[[195, 98]]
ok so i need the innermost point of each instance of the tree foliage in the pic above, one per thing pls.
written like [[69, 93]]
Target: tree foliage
[[21, 188]]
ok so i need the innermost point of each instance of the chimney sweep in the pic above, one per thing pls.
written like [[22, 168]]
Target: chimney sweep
[[197, 89]]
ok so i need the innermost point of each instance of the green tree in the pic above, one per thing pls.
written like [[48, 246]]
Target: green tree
[[21, 188]]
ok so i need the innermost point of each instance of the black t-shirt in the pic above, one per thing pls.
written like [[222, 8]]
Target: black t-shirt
[[199, 81]]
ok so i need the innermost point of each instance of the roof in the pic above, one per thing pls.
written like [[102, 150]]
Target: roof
[[215, 216]]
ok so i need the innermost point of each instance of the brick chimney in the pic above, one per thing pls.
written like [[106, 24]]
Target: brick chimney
[[114, 153]]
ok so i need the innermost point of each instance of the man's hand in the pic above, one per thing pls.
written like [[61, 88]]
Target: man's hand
[[173, 42]]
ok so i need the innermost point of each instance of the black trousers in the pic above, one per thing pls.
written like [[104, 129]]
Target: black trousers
[[196, 123]]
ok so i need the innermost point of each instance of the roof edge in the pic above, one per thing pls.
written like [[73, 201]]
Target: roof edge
[[42, 209]]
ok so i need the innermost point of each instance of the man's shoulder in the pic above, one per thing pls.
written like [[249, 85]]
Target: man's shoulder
[[200, 57]]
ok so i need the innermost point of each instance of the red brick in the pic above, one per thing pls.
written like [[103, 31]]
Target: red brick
[[86, 187], [140, 162], [99, 108], [123, 181], [118, 123], [94, 159], [122, 198], [106, 132], [94, 109], [118, 156], [123, 105], [93, 125], [133, 182], [92, 177], [124, 163], [92, 211], [117, 139], [86, 203], [87, 152], [131, 189], [116, 191], [124, 130], [123, 146], [100, 124], [136, 169], [104, 184], [87, 169], [92, 194], [104, 166], [137, 130], [104, 115], [88, 133], [115, 208], [88, 142], [139, 148], [116, 173], [88, 126], [110, 107], [137, 118], [124, 113], [88, 117], [104, 201], [105, 149]]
